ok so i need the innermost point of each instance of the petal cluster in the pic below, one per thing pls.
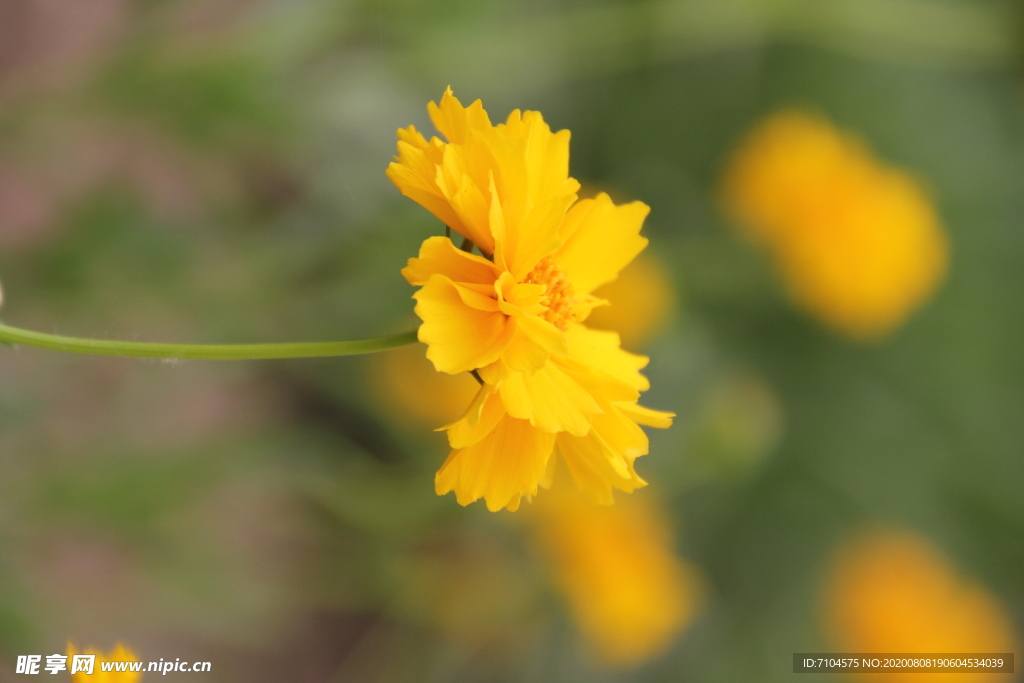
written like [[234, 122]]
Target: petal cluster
[[858, 242], [513, 312]]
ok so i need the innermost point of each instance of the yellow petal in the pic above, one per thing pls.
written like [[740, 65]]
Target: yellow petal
[[532, 343], [595, 470], [456, 121], [524, 299], [498, 226], [424, 193], [547, 158], [645, 416], [603, 459], [519, 299], [471, 415], [508, 463], [620, 435], [439, 255], [535, 236], [495, 373], [459, 338], [538, 160], [584, 305], [596, 381], [550, 400], [479, 297], [530, 204], [599, 240], [600, 349], [466, 198], [412, 137], [480, 420]]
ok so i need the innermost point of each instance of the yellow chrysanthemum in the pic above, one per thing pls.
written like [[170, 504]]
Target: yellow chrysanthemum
[[892, 592], [514, 313], [626, 588], [119, 654], [858, 242]]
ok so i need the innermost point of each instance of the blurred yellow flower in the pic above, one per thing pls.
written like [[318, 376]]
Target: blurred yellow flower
[[410, 388], [514, 313], [643, 298], [892, 592], [626, 588], [858, 242], [119, 654]]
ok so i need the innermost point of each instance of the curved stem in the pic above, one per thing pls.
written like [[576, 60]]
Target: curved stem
[[97, 347]]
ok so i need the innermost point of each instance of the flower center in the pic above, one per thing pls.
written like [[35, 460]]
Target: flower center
[[559, 295]]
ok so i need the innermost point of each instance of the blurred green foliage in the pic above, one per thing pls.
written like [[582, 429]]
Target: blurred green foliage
[[213, 171]]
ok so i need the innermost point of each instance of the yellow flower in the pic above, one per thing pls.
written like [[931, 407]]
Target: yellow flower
[[119, 654], [892, 592], [514, 313], [643, 297], [627, 590], [858, 242]]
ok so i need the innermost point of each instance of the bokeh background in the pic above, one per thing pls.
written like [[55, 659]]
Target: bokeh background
[[213, 170]]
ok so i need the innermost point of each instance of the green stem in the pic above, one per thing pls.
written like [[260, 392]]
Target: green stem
[[97, 347]]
